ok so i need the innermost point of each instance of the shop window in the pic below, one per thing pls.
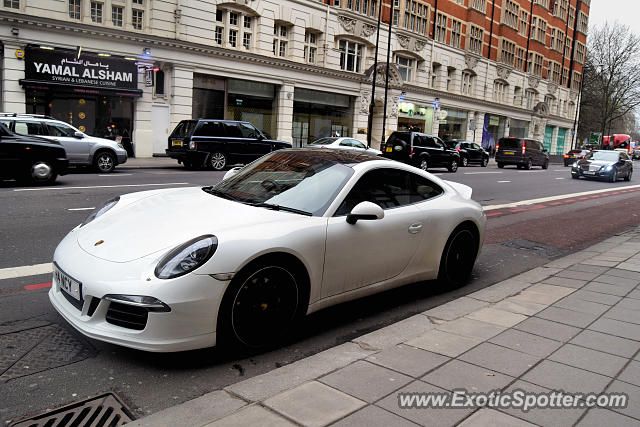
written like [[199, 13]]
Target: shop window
[[406, 67], [350, 55], [13, 4], [310, 47], [116, 16], [74, 9], [280, 40], [136, 19], [96, 12]]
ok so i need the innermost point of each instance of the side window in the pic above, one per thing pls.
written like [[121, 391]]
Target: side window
[[248, 131], [25, 127], [424, 189], [54, 129], [178, 132], [7, 123], [209, 128], [357, 144], [345, 143], [232, 130]]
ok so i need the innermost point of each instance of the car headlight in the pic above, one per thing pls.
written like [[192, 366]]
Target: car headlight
[[574, 165], [102, 210], [609, 167], [120, 145], [187, 257], [192, 145]]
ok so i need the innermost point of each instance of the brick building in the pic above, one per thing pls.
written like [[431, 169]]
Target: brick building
[[298, 69]]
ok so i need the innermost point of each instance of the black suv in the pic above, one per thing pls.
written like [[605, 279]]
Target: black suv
[[470, 152], [420, 150], [31, 158], [522, 152], [218, 143]]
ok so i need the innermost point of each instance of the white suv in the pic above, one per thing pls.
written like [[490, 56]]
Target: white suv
[[82, 149]]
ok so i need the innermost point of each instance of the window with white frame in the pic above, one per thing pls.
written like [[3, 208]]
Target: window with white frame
[[13, 4], [218, 35], [552, 39], [559, 41], [580, 50], [96, 12], [572, 109], [415, 16], [524, 22], [74, 9], [137, 19], [468, 83], [500, 89], [567, 47], [310, 47], [560, 9], [555, 72], [476, 35], [234, 29], [246, 41], [583, 22], [576, 81], [519, 59], [517, 96], [543, 3], [530, 97], [116, 15], [435, 72], [508, 52], [351, 54], [232, 41], [374, 8], [479, 5], [280, 39], [451, 74], [511, 11], [537, 64], [460, 2], [572, 16], [441, 28], [406, 67], [541, 33], [456, 33], [565, 76]]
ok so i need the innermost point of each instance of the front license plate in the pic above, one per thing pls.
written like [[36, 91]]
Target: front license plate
[[177, 143], [510, 152], [589, 172], [388, 149], [65, 283]]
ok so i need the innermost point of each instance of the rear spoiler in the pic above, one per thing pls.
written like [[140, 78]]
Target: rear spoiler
[[464, 190]]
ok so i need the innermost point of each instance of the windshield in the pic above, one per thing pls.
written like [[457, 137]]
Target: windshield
[[323, 141], [300, 181], [607, 156]]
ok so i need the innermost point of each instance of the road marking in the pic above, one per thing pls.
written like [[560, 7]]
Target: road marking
[[81, 209], [560, 178], [26, 270], [118, 174], [479, 173], [101, 186], [531, 171], [500, 182], [560, 170], [559, 197], [38, 286]]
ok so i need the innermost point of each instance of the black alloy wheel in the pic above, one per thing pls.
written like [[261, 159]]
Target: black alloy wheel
[[614, 175], [628, 177], [458, 258], [105, 162], [528, 165], [263, 306], [218, 161], [485, 162], [465, 162], [453, 166]]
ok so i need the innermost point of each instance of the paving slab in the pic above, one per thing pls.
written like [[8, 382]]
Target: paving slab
[[558, 376], [595, 261], [271, 383], [616, 272], [606, 289], [588, 268], [630, 303], [634, 294], [577, 275], [544, 294], [633, 406], [565, 282], [471, 328], [487, 417], [598, 297], [589, 359], [598, 417], [445, 417], [456, 308], [396, 333], [408, 360], [606, 343], [631, 373], [457, 374], [314, 404], [500, 291], [548, 329], [577, 304], [630, 315], [514, 305], [617, 328], [618, 281], [569, 317], [497, 317], [537, 274], [525, 342], [373, 416], [252, 415], [629, 266], [500, 359], [445, 343], [365, 381]]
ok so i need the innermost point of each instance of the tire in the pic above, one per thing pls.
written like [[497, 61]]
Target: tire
[[614, 176], [260, 306], [465, 162], [574, 176], [545, 165], [458, 258], [41, 172], [528, 165], [218, 161], [628, 177], [453, 166], [500, 165], [485, 162], [104, 161], [424, 164]]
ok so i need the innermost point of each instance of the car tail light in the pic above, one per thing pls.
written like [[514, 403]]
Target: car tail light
[[566, 156], [524, 147], [458, 149], [497, 146]]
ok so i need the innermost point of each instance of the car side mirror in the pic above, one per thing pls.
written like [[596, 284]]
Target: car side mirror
[[79, 135], [365, 211], [260, 137], [544, 150], [231, 172]]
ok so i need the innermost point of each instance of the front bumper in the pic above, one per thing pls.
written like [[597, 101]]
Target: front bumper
[[193, 300], [61, 166], [122, 157], [600, 174]]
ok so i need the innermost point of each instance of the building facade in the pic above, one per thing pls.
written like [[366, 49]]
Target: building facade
[[298, 69]]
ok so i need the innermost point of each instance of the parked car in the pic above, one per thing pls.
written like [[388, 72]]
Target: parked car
[[421, 150], [604, 164], [82, 149], [522, 152], [470, 152], [343, 143], [573, 155], [261, 249], [218, 143], [636, 153], [33, 159]]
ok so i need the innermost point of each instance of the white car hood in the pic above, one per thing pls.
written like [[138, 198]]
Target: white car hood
[[147, 222]]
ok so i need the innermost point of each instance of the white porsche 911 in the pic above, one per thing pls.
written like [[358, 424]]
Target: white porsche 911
[[239, 262]]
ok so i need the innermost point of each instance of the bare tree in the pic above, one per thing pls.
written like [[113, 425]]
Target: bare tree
[[611, 78]]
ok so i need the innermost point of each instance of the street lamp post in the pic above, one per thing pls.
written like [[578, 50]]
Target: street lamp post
[[373, 82], [386, 80]]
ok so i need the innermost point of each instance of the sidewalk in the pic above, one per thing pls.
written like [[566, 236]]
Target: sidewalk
[[150, 162], [571, 325]]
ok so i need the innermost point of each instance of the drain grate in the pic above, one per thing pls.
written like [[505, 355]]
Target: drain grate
[[105, 410], [537, 248]]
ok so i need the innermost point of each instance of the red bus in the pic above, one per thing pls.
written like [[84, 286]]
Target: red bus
[[619, 141]]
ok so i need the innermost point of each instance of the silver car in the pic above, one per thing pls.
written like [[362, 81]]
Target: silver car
[[82, 149]]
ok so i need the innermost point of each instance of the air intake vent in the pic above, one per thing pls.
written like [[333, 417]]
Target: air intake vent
[[127, 316]]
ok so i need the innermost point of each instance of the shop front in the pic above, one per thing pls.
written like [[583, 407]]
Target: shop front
[[454, 125], [492, 130], [548, 138], [414, 117], [94, 93], [519, 128], [319, 114], [560, 141]]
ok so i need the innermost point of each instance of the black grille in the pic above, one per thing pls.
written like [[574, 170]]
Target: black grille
[[127, 316], [74, 302]]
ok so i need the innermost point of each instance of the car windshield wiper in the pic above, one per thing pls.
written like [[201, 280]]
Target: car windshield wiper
[[279, 208], [219, 193]]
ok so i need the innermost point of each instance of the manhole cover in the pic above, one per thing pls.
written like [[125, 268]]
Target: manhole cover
[[538, 248], [104, 410]]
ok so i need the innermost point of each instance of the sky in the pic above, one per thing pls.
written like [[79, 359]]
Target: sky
[[625, 11]]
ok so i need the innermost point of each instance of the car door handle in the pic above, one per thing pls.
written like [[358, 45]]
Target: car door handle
[[415, 228]]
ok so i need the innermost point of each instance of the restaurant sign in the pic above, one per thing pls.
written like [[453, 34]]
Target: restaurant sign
[[63, 67]]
